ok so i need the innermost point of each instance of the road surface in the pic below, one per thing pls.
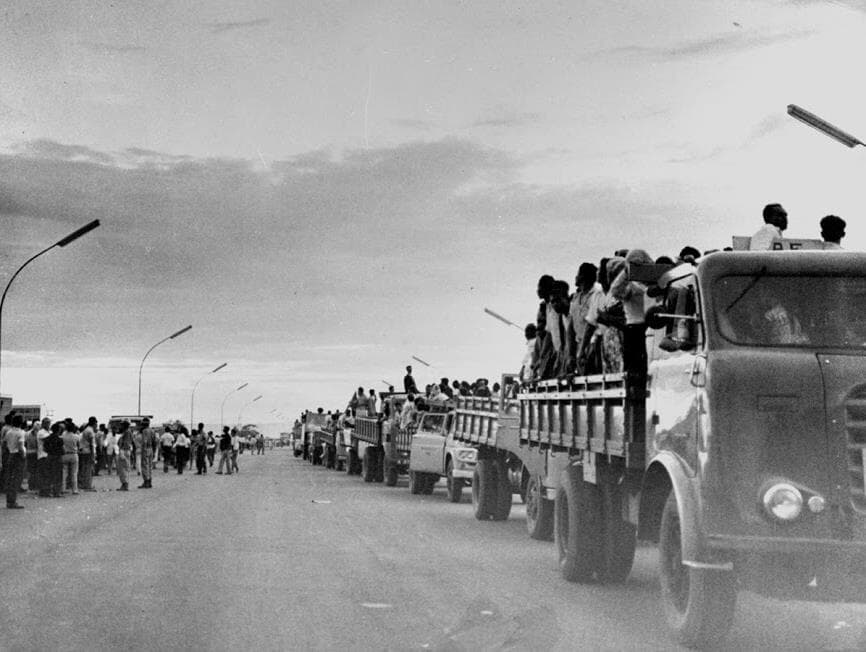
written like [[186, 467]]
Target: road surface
[[285, 556]]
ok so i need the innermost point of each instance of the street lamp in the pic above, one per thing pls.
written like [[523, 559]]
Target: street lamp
[[496, 315], [192, 398], [823, 126], [222, 418], [141, 366], [87, 228], [244, 407]]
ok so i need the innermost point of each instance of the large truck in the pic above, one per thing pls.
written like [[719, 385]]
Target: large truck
[[741, 452], [312, 435], [379, 449]]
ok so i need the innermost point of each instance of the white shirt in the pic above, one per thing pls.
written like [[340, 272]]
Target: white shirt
[[763, 238], [40, 441]]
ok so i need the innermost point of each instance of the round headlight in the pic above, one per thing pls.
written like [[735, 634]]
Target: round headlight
[[783, 501]]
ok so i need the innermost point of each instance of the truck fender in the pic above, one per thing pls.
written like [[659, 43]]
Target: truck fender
[[665, 473]]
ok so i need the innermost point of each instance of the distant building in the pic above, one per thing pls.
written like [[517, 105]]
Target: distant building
[[5, 405], [29, 412]]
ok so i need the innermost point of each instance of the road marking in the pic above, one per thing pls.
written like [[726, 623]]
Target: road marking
[[322, 502], [376, 605]]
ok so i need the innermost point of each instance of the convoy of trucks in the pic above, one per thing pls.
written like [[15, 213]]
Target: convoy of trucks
[[740, 451]]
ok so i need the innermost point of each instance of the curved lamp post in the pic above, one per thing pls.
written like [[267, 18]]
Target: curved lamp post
[[141, 366], [809, 118], [222, 418], [87, 228], [245, 406], [192, 398]]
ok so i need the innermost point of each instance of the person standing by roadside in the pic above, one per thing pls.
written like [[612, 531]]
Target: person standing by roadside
[[211, 447], [71, 440], [225, 452], [110, 444], [200, 450], [124, 453], [86, 454], [53, 445], [7, 423], [166, 443], [260, 444], [236, 446], [148, 446], [14, 447], [99, 462], [31, 444], [42, 475], [181, 450]]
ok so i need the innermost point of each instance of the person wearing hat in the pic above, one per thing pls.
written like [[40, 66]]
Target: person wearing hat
[[832, 231]]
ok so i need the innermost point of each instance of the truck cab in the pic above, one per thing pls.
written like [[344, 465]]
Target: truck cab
[[435, 454]]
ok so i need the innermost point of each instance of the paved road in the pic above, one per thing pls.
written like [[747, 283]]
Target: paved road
[[287, 556]]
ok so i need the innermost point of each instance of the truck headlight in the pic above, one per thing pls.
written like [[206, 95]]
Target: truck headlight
[[467, 455], [783, 501]]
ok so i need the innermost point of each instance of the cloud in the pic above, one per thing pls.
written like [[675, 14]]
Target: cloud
[[112, 48], [721, 44], [219, 28], [510, 119], [409, 123], [765, 127]]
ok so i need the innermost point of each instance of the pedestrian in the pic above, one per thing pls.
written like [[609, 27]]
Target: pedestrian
[[86, 450], [775, 222], [15, 448], [110, 446], [236, 445], [211, 448], [200, 450], [225, 452], [42, 475], [832, 231], [148, 443], [181, 450], [166, 443], [7, 424], [71, 439], [124, 454], [53, 445], [260, 444], [31, 445], [99, 464]]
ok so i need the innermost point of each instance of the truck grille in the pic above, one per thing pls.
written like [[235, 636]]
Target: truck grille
[[855, 427]]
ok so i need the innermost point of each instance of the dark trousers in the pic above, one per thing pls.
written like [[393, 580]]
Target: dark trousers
[[210, 455], [32, 475], [42, 475], [14, 476], [4, 461], [167, 458], [85, 471], [54, 467], [200, 460], [634, 358], [181, 453]]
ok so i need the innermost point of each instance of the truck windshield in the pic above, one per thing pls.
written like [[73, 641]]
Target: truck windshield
[[433, 422], [808, 311]]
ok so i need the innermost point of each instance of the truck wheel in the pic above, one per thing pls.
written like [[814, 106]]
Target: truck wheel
[[484, 489], [698, 603], [455, 485], [619, 537], [350, 462], [357, 463], [576, 526], [429, 481], [316, 457], [539, 511], [368, 466], [415, 482], [379, 473], [504, 491], [390, 475]]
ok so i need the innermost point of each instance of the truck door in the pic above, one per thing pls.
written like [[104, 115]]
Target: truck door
[[427, 444]]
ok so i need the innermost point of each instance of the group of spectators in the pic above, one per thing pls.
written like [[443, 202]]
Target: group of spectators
[[60, 458], [600, 327]]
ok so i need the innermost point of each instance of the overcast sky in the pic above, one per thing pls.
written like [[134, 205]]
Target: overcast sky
[[325, 189]]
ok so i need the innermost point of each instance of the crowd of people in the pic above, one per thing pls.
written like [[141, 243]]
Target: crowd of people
[[61, 458]]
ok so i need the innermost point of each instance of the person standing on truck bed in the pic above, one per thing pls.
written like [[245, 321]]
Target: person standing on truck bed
[[544, 351], [775, 222], [608, 335], [633, 294], [408, 413], [371, 402], [560, 303], [525, 374], [409, 382], [584, 306]]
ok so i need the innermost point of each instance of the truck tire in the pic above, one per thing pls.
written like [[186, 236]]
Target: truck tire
[[504, 491], [698, 603], [390, 475], [484, 489], [428, 483], [357, 463], [316, 457], [415, 482], [576, 526], [350, 462], [455, 485], [619, 537], [539, 511], [379, 474], [368, 465]]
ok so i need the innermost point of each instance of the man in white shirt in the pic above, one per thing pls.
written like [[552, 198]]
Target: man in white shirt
[[775, 222], [13, 442], [42, 458], [584, 307], [408, 413]]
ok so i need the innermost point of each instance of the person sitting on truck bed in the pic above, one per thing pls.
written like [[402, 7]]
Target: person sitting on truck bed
[[632, 294]]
